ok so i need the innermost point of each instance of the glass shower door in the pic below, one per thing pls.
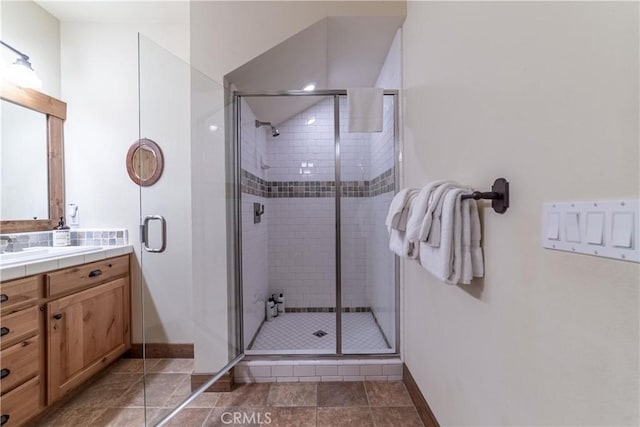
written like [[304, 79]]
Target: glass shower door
[[185, 302], [369, 288]]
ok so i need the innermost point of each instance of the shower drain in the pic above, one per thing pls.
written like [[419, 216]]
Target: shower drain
[[320, 333]]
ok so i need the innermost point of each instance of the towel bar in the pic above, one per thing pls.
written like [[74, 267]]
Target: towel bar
[[499, 195]]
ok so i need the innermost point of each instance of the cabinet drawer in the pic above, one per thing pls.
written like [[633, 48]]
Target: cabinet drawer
[[21, 403], [18, 326], [75, 278], [20, 362], [19, 293]]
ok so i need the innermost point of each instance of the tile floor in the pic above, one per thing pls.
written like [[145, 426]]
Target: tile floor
[[115, 398], [294, 333]]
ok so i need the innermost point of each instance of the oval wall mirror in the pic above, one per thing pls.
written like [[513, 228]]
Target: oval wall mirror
[[145, 162]]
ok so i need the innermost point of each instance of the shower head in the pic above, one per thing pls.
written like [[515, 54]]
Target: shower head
[[274, 132]]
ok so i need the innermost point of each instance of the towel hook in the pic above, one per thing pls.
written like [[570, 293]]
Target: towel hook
[[499, 195]]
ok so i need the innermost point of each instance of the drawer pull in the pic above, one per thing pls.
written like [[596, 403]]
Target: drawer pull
[[95, 273], [4, 419], [57, 316], [3, 298], [4, 331], [4, 373]]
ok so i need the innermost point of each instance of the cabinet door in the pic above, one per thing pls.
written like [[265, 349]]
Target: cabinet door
[[86, 331]]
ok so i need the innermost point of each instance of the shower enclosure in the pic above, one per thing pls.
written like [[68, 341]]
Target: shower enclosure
[[312, 203]]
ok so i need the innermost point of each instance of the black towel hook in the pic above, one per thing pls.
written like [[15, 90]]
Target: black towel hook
[[499, 195]]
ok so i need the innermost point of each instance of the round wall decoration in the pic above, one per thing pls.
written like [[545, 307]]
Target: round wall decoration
[[145, 162]]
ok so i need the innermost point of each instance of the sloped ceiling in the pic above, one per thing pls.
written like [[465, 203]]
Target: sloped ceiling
[[335, 53]]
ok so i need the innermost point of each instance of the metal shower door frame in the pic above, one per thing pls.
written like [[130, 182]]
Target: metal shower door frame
[[335, 94]]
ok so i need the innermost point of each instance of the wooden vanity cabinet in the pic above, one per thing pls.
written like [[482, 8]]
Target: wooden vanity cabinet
[[89, 327], [59, 329]]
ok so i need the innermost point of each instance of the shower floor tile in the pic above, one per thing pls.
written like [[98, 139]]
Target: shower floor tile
[[302, 333]]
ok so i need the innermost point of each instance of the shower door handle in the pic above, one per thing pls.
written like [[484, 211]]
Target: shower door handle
[[144, 228]]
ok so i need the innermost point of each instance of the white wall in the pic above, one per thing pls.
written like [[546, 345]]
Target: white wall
[[36, 33], [100, 85], [546, 95]]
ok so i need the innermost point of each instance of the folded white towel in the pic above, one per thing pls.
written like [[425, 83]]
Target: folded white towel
[[398, 205], [467, 268], [398, 242], [365, 109], [444, 262], [401, 246], [419, 209], [431, 221], [477, 259]]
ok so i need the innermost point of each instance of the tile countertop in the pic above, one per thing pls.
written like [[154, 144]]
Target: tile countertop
[[29, 268]]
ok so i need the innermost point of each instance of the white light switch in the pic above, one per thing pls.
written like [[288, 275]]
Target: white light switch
[[601, 228], [553, 226], [622, 229], [595, 228], [572, 227]]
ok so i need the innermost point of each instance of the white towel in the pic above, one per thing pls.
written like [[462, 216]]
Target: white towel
[[365, 109], [398, 205], [444, 262], [477, 259], [398, 241], [467, 267], [419, 209], [401, 246], [430, 229]]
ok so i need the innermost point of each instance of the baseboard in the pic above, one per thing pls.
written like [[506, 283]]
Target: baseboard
[[427, 417], [161, 351], [224, 384]]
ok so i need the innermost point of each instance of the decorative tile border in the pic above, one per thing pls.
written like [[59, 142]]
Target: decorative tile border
[[98, 238], [251, 184], [326, 309], [382, 183], [108, 237]]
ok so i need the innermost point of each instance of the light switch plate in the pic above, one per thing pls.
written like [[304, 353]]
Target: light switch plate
[[609, 228]]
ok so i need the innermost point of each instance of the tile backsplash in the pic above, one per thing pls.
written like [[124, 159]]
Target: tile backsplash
[[80, 237]]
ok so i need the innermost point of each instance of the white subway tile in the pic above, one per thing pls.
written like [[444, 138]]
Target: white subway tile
[[282, 371], [331, 378], [326, 370], [392, 370], [304, 371], [349, 370], [260, 371], [369, 370]]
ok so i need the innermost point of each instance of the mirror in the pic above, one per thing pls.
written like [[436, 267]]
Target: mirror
[[23, 163], [145, 162], [31, 158]]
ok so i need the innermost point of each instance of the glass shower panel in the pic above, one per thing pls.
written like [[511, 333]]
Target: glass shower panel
[[289, 249], [368, 285], [185, 291]]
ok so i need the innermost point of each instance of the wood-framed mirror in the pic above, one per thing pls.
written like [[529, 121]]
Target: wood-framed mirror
[[55, 112], [145, 162]]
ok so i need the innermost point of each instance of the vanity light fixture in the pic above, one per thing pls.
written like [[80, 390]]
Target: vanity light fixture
[[21, 72]]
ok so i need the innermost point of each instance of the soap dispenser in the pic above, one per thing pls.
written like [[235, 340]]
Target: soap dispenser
[[62, 234]]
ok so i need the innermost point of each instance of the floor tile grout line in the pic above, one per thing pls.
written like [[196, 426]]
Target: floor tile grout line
[[207, 417]]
